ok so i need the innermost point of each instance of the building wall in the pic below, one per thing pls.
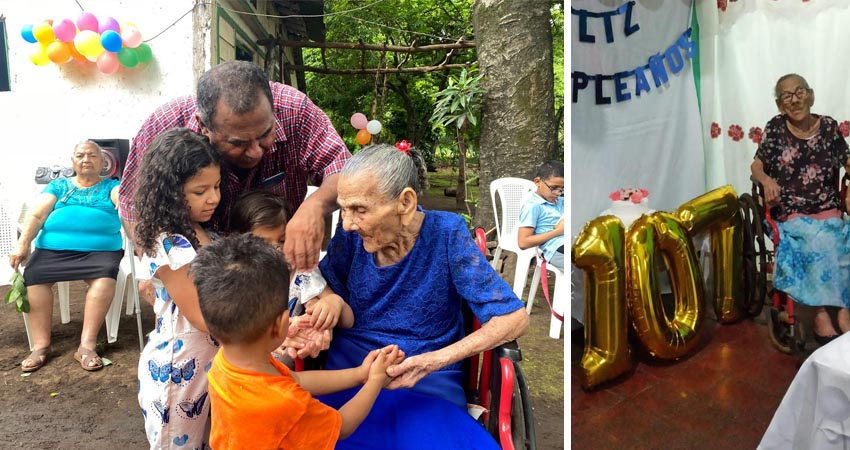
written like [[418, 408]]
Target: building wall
[[50, 108]]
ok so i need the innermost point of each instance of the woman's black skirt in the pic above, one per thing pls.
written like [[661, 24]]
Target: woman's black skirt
[[51, 266]]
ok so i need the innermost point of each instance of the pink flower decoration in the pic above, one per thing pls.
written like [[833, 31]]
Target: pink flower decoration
[[735, 132], [636, 197], [715, 130], [844, 127], [755, 134], [614, 195], [721, 5]]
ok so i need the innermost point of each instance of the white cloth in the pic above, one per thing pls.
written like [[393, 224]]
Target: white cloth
[[815, 412], [653, 141]]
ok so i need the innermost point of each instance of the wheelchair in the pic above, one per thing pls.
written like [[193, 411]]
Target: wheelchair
[[784, 317], [496, 382]]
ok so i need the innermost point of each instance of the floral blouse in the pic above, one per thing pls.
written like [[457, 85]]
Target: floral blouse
[[805, 169]]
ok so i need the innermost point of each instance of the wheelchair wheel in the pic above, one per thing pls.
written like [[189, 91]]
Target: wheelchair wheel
[[787, 338], [754, 256], [522, 419]]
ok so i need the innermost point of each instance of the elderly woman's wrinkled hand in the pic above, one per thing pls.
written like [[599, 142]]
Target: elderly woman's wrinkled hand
[[771, 190], [411, 370]]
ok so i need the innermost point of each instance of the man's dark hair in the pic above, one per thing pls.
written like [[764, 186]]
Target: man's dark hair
[[550, 169], [239, 84], [243, 286]]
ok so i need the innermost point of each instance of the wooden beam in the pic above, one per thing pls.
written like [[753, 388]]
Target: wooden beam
[[378, 48], [422, 69]]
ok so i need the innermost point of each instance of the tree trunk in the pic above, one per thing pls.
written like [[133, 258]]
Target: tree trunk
[[460, 198], [514, 40]]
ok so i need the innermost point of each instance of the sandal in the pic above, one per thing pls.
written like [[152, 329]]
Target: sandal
[[86, 357], [38, 357]]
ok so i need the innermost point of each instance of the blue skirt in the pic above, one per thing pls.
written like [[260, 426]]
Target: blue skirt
[[813, 261], [402, 419]]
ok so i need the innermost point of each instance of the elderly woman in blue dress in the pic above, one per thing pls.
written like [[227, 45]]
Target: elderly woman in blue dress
[[797, 163], [77, 236], [407, 273]]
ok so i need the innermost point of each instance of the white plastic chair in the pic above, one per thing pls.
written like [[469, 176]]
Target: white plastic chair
[[558, 297], [512, 192]]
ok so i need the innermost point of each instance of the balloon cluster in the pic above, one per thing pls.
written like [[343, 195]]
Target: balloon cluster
[[108, 44], [367, 128]]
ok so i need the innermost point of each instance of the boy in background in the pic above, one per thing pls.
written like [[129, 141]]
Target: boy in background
[[256, 402], [541, 220]]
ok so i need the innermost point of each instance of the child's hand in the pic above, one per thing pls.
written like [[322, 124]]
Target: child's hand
[[303, 340], [559, 227], [324, 313], [377, 361]]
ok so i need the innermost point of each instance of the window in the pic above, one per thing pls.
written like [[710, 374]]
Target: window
[[243, 54]]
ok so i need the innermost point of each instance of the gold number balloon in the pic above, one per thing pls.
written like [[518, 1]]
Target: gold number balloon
[[598, 250], [662, 234], [718, 212]]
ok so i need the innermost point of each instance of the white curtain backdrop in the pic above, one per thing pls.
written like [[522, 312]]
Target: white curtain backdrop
[[653, 141], [745, 46]]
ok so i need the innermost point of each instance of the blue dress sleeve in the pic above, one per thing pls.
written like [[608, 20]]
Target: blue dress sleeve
[[336, 264], [486, 293], [56, 188]]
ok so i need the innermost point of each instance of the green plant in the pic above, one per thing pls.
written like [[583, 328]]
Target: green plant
[[18, 293], [457, 111]]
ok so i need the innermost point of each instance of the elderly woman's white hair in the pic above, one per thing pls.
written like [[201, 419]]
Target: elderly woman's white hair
[[394, 169], [91, 144]]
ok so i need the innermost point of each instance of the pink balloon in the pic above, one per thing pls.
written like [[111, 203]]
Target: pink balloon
[[87, 21], [108, 62], [359, 121], [131, 37], [109, 24], [65, 30]]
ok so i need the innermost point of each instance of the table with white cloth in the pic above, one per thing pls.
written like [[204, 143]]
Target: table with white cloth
[[815, 412]]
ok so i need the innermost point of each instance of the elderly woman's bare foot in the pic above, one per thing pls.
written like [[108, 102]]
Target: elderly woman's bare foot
[[844, 319]]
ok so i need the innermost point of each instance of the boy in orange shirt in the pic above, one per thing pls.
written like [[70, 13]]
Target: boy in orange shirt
[[256, 402]]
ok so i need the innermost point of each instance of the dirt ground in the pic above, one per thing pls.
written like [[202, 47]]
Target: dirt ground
[[63, 407]]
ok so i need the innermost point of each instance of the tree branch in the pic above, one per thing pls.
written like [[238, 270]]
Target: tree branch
[[422, 69], [378, 48]]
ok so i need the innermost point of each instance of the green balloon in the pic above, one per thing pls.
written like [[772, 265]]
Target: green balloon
[[128, 58], [144, 53]]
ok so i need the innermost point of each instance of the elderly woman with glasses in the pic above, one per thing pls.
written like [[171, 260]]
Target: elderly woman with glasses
[[797, 164], [77, 236], [408, 274]]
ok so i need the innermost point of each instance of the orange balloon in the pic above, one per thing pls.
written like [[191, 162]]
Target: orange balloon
[[59, 52], [363, 137], [75, 54]]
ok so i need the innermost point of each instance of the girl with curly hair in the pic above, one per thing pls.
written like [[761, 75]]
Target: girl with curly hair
[[178, 193]]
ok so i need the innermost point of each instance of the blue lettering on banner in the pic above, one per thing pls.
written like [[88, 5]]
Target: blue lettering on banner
[[629, 28], [672, 59]]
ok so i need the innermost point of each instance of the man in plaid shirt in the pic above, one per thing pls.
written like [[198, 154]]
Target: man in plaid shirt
[[271, 136]]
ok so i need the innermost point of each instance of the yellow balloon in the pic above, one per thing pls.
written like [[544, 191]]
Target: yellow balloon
[[718, 213], [43, 33], [599, 251], [662, 233], [88, 43], [39, 57]]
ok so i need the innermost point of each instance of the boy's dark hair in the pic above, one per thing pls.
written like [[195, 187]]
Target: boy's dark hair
[[243, 286], [550, 169], [173, 158], [259, 209]]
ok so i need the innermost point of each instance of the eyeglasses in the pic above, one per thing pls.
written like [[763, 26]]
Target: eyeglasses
[[801, 93], [554, 190]]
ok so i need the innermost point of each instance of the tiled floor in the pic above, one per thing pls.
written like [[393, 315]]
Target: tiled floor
[[722, 397]]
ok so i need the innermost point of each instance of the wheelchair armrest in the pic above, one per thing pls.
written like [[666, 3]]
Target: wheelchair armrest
[[508, 350]]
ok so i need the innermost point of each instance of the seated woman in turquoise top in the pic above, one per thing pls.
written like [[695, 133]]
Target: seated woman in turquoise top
[[79, 238], [407, 274]]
